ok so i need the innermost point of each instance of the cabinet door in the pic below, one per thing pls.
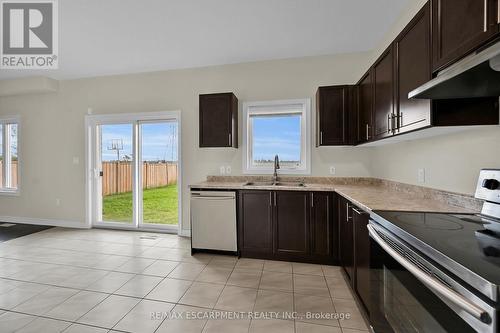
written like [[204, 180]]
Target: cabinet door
[[323, 232], [365, 107], [361, 255], [413, 68], [346, 249], [292, 234], [255, 222], [459, 27], [383, 101], [332, 105], [352, 116], [218, 120]]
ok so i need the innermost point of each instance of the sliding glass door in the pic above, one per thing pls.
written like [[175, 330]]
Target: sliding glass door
[[158, 174], [116, 173], [135, 173]]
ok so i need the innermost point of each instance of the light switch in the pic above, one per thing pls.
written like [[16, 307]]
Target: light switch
[[222, 170], [332, 170], [421, 175]]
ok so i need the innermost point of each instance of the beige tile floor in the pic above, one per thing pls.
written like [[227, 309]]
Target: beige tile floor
[[85, 281]]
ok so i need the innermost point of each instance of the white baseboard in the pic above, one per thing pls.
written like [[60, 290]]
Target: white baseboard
[[185, 233], [49, 222]]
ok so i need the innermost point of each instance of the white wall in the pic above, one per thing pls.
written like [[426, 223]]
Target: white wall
[[451, 162], [53, 125]]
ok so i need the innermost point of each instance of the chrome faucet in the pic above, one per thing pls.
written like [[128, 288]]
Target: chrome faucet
[[276, 167]]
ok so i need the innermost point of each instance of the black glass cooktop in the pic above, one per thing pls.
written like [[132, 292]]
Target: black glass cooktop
[[469, 240]]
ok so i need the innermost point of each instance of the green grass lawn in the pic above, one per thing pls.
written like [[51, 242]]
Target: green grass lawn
[[160, 206]]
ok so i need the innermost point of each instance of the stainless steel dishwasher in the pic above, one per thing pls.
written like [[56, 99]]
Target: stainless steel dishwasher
[[213, 221]]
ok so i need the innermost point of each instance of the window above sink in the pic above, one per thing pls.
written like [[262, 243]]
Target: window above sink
[[277, 128]]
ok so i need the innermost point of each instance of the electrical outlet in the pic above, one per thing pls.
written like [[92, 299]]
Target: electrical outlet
[[332, 170], [421, 175], [222, 170], [228, 170], [58, 202]]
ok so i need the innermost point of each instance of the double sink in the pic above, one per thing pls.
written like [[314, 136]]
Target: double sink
[[277, 183]]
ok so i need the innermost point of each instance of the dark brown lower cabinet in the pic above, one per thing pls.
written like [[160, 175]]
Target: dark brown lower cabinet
[[346, 240], [255, 227], [361, 255], [354, 248], [323, 234], [287, 225], [291, 231]]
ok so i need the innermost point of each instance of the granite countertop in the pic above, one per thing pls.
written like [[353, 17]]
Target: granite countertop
[[374, 197], [369, 194]]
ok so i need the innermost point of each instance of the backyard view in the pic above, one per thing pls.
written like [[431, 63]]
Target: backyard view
[[160, 205], [158, 174]]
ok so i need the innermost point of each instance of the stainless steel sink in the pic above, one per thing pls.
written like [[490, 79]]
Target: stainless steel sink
[[269, 183], [257, 183], [290, 184]]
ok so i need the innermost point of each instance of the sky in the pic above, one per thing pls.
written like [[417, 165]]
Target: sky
[[13, 140], [159, 141], [276, 135]]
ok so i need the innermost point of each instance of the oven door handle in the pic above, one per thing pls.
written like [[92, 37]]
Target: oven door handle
[[430, 281]]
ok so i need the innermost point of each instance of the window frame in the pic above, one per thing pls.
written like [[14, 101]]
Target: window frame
[[9, 120], [276, 107]]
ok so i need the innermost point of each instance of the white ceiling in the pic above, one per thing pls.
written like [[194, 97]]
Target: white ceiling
[[104, 37]]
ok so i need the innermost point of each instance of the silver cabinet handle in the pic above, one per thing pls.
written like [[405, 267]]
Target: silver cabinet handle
[[498, 13], [358, 211], [230, 140], [348, 218], [367, 132], [204, 197], [321, 137], [271, 199], [430, 281], [485, 15], [389, 123], [312, 199], [274, 199]]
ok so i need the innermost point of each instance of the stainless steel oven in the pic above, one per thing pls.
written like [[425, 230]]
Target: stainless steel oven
[[412, 293]]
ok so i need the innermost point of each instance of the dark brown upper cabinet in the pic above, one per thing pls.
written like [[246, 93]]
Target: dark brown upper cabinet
[[334, 113], [365, 107], [413, 68], [218, 120], [383, 95], [255, 223], [461, 26], [291, 235]]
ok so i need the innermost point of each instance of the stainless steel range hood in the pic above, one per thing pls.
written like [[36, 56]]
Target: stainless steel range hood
[[478, 75]]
